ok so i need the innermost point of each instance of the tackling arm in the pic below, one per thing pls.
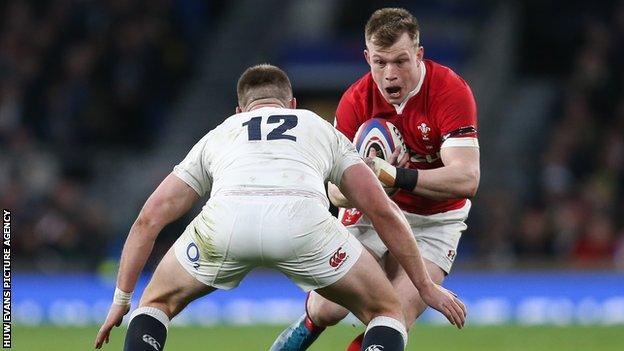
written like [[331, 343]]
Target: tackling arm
[[360, 186], [168, 202]]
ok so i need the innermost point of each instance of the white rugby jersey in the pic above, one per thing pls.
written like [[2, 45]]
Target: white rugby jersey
[[268, 151]]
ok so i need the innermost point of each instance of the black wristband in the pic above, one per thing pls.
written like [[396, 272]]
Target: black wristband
[[406, 178]]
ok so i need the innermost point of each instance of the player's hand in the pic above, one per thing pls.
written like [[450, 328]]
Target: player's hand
[[369, 160], [372, 153], [445, 302], [385, 172], [394, 158], [114, 318]]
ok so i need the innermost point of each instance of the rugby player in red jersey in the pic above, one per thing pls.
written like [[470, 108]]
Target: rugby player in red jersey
[[435, 111]]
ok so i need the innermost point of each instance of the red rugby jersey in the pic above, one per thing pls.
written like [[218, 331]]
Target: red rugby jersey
[[441, 109]]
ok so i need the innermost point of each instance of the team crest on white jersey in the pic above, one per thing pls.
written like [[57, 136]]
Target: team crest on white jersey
[[424, 129], [451, 255]]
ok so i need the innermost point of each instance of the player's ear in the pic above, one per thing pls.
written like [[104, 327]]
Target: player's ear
[[238, 109], [292, 103], [367, 56], [420, 53]]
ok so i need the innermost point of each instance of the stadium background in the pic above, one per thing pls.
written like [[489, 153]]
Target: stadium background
[[99, 99]]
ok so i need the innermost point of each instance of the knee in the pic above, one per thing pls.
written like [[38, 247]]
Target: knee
[[324, 313]]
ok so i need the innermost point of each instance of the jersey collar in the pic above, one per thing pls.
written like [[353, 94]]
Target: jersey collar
[[423, 70]]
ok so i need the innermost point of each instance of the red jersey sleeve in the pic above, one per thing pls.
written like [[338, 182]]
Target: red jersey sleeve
[[456, 109], [346, 115]]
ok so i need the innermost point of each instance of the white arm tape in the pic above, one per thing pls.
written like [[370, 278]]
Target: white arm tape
[[460, 142], [385, 172], [121, 297]]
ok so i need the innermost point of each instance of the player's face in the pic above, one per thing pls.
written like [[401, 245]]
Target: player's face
[[396, 70]]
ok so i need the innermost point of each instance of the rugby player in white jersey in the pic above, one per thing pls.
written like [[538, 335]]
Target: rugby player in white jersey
[[265, 169]]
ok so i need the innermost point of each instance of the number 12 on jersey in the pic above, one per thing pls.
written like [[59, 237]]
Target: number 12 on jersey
[[288, 122]]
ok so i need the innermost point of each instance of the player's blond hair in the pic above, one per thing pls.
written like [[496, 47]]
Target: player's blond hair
[[387, 25], [263, 81]]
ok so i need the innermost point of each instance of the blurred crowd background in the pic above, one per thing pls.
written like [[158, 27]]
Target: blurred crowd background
[[99, 99]]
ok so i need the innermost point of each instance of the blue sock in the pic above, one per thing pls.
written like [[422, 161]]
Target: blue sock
[[298, 336]]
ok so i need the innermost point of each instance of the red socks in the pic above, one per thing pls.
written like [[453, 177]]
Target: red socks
[[311, 327], [356, 344]]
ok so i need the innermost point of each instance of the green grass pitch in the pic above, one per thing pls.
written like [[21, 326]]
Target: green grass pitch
[[426, 338]]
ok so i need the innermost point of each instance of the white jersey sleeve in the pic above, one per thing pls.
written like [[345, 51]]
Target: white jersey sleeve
[[193, 170], [345, 156]]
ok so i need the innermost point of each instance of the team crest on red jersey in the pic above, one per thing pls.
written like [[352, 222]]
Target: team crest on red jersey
[[424, 129], [350, 216], [338, 258]]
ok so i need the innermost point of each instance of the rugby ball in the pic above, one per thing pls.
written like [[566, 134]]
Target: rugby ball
[[380, 135], [383, 137]]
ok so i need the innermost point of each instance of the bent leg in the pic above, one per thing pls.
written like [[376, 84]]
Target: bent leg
[[341, 283], [325, 313], [320, 313], [172, 287], [365, 291], [412, 304], [168, 292], [368, 294]]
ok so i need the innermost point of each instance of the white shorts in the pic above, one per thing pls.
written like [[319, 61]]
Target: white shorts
[[437, 235], [296, 235]]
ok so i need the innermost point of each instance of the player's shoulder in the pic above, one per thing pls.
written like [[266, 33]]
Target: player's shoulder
[[443, 77], [224, 129], [229, 122]]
